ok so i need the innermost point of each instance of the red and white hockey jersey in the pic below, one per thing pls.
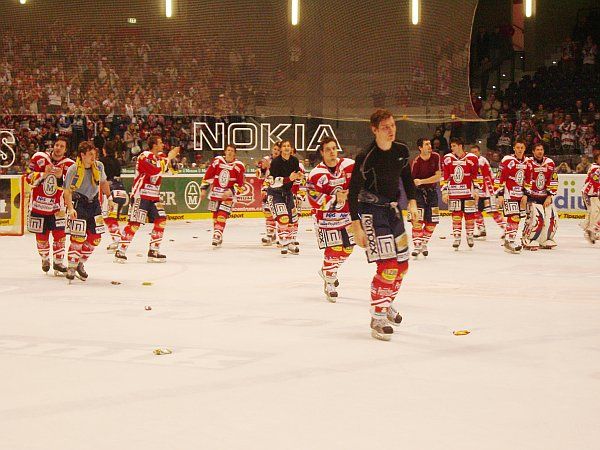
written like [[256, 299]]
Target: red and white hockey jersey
[[541, 179], [323, 184], [459, 175], [46, 189], [591, 185], [224, 177], [485, 178], [511, 177], [567, 133], [149, 170]]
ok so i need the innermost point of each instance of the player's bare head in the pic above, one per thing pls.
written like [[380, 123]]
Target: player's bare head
[[475, 150], [383, 125], [276, 149], [155, 143], [60, 147], [286, 148], [230, 152], [424, 145], [538, 151], [328, 149], [86, 152], [457, 146], [520, 147]]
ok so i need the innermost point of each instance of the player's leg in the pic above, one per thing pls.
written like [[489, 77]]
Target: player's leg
[[58, 250], [220, 217]]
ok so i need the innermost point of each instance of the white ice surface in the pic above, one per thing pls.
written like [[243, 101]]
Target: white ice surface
[[262, 361]]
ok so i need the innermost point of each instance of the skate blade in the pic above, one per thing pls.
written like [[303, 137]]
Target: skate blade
[[381, 337], [394, 323], [59, 274]]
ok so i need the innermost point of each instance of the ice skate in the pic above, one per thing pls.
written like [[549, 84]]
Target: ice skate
[[424, 250], [416, 251], [70, 274], [381, 329], [112, 247], [120, 257], [268, 240], [45, 265], [217, 240], [456, 243], [329, 287], [155, 257], [531, 245], [80, 272], [394, 317], [59, 269], [293, 249], [470, 241], [590, 236], [511, 247], [548, 245], [284, 249]]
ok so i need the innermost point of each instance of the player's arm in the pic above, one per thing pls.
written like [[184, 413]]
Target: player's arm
[[446, 168], [411, 192], [356, 184]]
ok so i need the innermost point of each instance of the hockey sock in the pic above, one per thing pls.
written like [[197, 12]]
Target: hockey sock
[[269, 221], [43, 244], [457, 224], [284, 230], [219, 221], [479, 221], [113, 228], [75, 247], [498, 219], [333, 259], [469, 223], [92, 241], [157, 233], [58, 245], [382, 286], [402, 269], [127, 236], [512, 225], [428, 231], [417, 234]]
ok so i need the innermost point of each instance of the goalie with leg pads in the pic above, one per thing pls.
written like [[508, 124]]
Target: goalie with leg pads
[[591, 197], [541, 183]]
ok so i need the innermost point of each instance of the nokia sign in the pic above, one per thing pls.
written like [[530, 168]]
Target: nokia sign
[[250, 136]]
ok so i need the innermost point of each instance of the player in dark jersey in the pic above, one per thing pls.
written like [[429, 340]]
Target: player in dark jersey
[[377, 220], [426, 170], [284, 170]]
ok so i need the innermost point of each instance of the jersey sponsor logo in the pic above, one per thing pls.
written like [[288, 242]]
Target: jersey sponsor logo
[[458, 175], [224, 178], [192, 195], [520, 177], [50, 185], [540, 182]]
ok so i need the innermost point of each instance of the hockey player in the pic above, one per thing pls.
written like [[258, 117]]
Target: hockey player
[[377, 221], [487, 199], [224, 176], [591, 197], [83, 181], [112, 167], [328, 194], [263, 173], [426, 170], [509, 188], [459, 190], [299, 192], [284, 171], [541, 184], [45, 174], [145, 204]]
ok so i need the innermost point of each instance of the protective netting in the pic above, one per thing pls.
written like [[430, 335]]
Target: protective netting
[[236, 58]]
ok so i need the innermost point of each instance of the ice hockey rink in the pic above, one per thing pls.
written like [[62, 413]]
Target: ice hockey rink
[[262, 361]]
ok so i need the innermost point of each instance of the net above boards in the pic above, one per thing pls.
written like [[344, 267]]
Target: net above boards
[[237, 58]]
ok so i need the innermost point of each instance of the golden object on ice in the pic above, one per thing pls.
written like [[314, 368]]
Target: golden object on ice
[[162, 351], [461, 332], [146, 283]]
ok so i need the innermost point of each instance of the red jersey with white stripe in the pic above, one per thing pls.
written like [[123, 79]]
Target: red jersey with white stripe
[[46, 189], [591, 185], [323, 184], [541, 179], [224, 177], [511, 177], [149, 170], [459, 175], [485, 178]]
